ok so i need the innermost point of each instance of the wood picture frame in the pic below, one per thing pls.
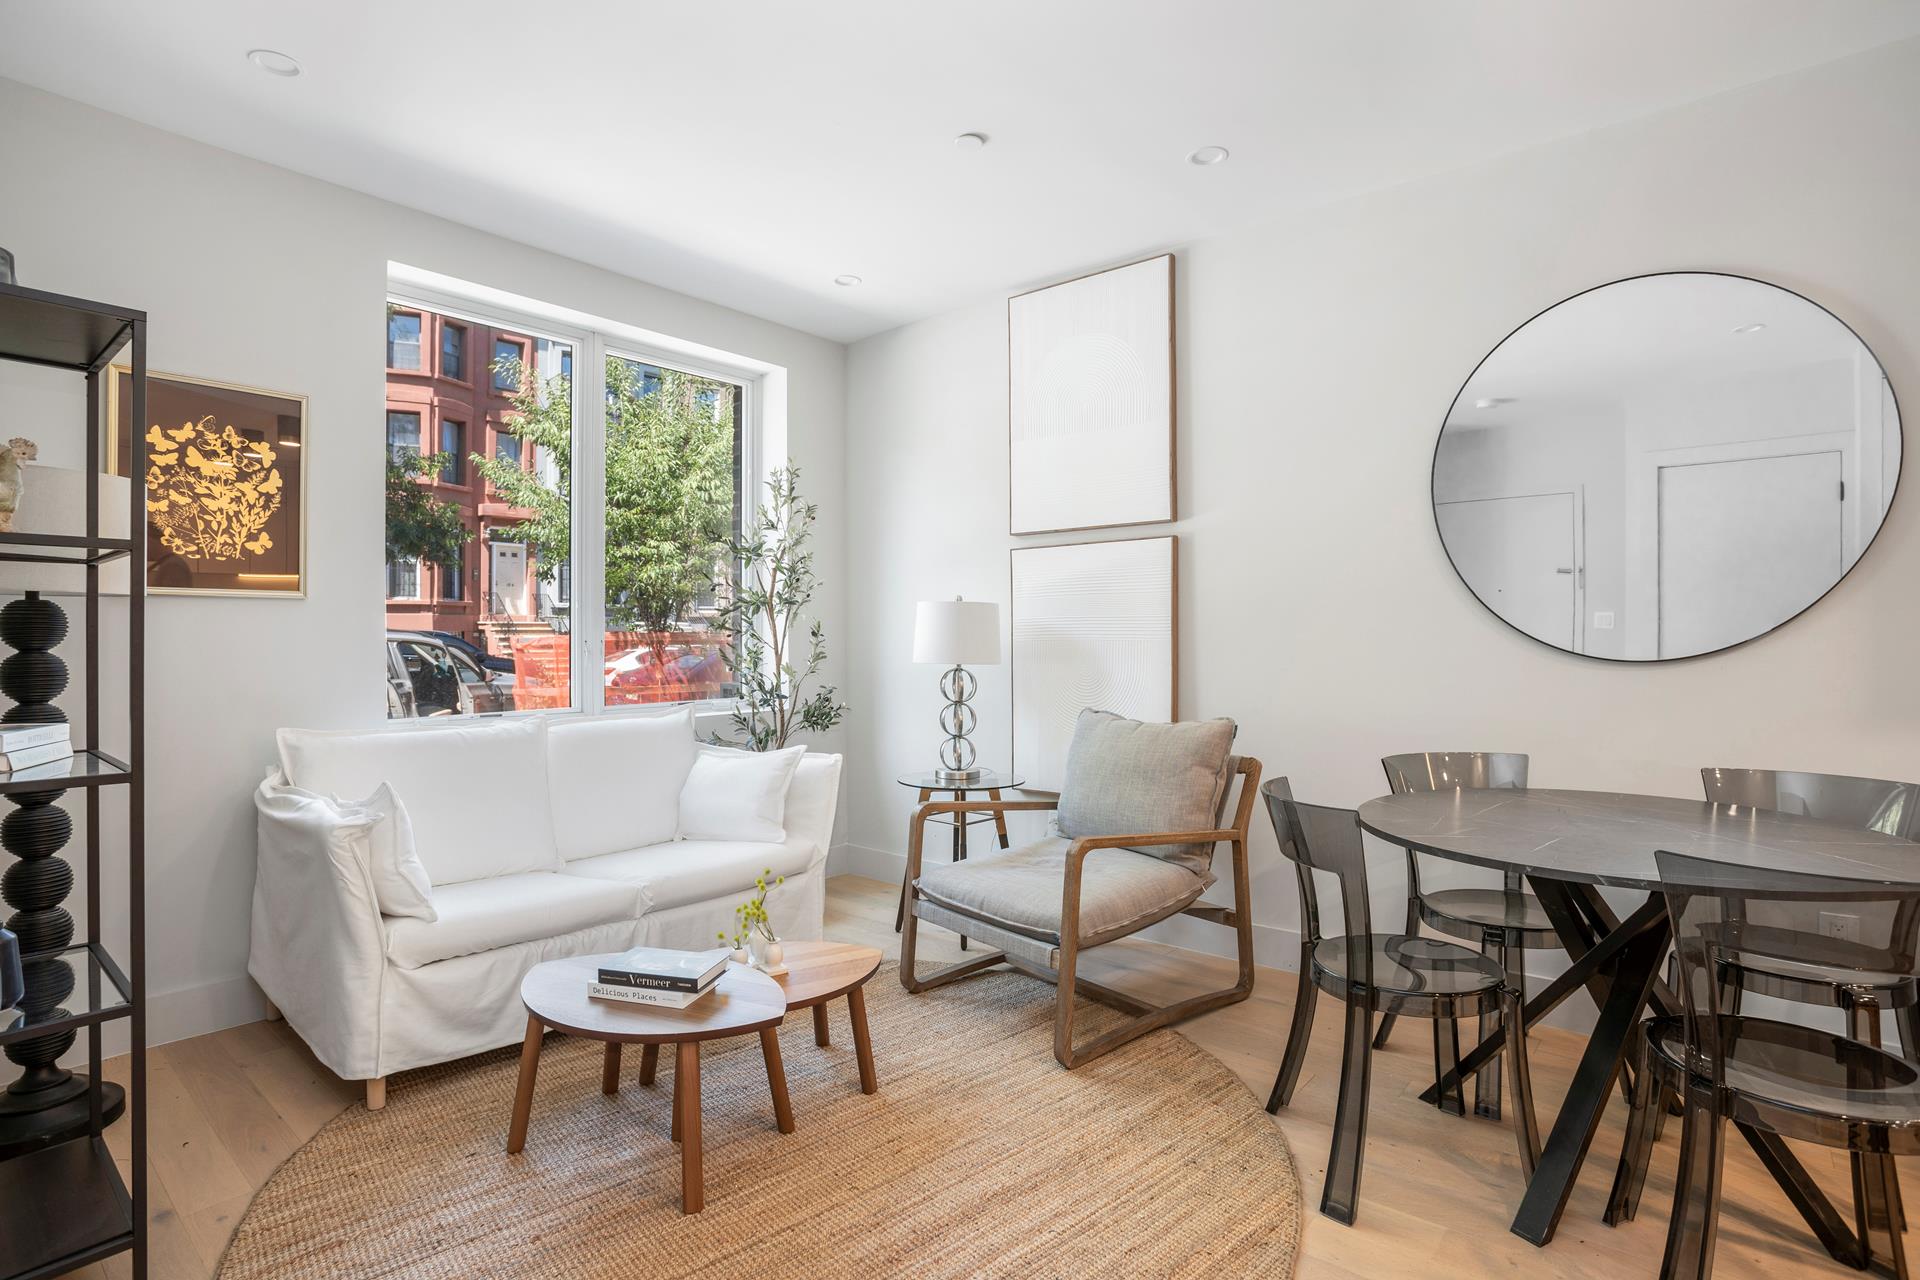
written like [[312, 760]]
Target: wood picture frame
[[1091, 416], [1095, 624]]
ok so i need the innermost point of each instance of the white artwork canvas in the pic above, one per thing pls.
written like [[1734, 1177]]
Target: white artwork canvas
[[1093, 626], [1090, 382]]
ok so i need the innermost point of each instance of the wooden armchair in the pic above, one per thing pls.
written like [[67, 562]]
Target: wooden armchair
[[996, 900]]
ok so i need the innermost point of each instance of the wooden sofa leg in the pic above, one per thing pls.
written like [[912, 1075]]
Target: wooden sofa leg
[[273, 1012], [376, 1094]]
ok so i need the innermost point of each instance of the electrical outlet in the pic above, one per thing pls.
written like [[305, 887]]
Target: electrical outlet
[[1603, 620], [1839, 926]]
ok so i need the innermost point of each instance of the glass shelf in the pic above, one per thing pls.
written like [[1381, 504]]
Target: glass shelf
[[82, 769], [66, 990], [61, 548]]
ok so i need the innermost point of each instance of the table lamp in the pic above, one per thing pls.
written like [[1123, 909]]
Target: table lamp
[[958, 632]]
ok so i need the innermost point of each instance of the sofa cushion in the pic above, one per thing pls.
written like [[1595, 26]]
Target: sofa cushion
[[1126, 776], [732, 794], [1120, 890], [616, 780], [686, 871], [471, 790], [481, 915]]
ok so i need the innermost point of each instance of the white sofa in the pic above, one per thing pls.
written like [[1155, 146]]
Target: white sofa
[[539, 840]]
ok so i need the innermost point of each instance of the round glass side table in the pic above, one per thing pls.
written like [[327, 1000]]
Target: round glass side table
[[926, 783]]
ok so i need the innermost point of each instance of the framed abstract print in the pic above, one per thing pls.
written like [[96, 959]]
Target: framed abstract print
[[1090, 401]]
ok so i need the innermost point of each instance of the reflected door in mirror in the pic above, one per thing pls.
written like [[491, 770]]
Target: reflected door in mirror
[[1666, 466]]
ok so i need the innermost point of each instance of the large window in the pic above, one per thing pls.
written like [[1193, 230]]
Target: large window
[[672, 512], [544, 578]]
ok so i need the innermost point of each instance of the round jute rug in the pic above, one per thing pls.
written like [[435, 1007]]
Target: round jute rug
[[979, 1156]]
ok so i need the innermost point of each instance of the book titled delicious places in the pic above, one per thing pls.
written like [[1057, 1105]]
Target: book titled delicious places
[[658, 969]]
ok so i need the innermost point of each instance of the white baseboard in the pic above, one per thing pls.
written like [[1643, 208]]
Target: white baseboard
[[182, 1014], [1273, 946]]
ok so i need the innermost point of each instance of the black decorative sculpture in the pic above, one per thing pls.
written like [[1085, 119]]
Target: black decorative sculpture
[[47, 1103]]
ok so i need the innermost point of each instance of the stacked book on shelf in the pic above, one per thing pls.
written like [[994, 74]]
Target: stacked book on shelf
[[659, 977], [25, 746]]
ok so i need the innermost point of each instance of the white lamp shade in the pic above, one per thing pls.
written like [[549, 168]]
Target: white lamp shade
[[957, 632]]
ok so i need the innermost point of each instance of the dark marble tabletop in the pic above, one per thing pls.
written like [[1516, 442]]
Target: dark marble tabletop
[[1608, 838]]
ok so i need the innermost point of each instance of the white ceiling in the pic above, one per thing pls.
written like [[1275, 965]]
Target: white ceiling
[[748, 151]]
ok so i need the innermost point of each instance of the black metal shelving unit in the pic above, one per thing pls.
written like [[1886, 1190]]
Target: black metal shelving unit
[[64, 1205]]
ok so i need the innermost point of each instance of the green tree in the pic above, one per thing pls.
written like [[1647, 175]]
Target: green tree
[[765, 612], [419, 525], [669, 473]]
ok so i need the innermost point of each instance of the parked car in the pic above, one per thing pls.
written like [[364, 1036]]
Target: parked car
[[491, 661], [688, 674], [426, 676]]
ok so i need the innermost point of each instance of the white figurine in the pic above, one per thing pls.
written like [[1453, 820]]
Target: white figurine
[[12, 479]]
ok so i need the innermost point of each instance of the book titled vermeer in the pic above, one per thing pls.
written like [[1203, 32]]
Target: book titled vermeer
[[660, 969]]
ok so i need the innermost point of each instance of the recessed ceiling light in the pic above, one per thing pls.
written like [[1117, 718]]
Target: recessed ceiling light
[[846, 282], [1492, 402], [273, 62], [970, 141], [1208, 155], [1750, 328]]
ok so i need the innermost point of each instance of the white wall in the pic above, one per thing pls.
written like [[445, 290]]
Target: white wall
[[1317, 359], [253, 274]]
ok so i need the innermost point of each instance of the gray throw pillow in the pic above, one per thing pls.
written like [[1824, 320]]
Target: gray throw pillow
[[1126, 776]]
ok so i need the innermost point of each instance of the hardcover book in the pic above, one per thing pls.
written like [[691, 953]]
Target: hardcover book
[[660, 969], [28, 757], [18, 737], [646, 996]]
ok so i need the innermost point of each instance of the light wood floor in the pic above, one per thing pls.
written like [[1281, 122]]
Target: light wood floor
[[1437, 1195]]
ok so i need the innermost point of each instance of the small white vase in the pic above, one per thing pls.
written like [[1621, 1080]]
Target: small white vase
[[741, 957], [766, 955]]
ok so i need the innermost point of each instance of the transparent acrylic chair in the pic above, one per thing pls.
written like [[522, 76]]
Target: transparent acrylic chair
[[1892, 808], [1801, 1082], [1374, 972], [1795, 971], [1504, 920]]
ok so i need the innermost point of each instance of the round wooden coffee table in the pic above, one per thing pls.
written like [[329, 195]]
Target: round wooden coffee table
[[821, 972], [744, 1000]]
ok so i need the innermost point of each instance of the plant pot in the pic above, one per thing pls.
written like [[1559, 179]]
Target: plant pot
[[741, 957], [767, 954]]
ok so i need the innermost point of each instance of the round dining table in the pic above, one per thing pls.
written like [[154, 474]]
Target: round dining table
[[1569, 844]]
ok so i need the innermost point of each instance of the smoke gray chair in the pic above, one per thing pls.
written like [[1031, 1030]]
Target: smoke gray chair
[[1398, 973], [1800, 1082], [1138, 819], [1796, 967], [1504, 921]]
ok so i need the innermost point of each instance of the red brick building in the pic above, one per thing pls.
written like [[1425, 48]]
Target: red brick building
[[447, 394]]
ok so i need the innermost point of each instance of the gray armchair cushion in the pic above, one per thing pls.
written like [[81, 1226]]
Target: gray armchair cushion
[[1126, 776], [1020, 890]]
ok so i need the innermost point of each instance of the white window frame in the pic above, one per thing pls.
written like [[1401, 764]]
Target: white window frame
[[593, 340]]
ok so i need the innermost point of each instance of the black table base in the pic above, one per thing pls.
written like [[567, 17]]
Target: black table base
[[1620, 970]]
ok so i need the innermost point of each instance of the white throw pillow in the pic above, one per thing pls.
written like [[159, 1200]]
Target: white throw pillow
[[400, 882], [616, 781], [738, 795], [475, 790], [374, 831]]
